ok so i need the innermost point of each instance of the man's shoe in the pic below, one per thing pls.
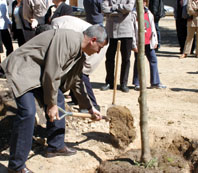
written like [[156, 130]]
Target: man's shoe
[[183, 56], [124, 89], [158, 86], [65, 151], [24, 170], [137, 87], [106, 87], [71, 103]]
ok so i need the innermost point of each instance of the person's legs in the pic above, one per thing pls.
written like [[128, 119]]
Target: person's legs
[[158, 32], [56, 129], [135, 70], [152, 58], [110, 61], [20, 37], [23, 127], [126, 47], [189, 40], [85, 79], [181, 26], [7, 41]]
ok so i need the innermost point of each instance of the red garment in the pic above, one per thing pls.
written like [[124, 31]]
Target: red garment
[[147, 26]]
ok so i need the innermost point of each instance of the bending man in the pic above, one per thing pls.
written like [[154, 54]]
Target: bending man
[[45, 69]]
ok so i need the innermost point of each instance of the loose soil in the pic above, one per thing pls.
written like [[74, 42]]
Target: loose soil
[[172, 115]]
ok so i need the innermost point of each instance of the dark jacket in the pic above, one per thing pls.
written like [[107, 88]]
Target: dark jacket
[[157, 8], [93, 11], [63, 9]]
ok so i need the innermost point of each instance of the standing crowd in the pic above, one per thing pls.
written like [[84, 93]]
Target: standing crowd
[[57, 52]]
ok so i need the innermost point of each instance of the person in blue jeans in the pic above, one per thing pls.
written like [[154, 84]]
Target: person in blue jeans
[[157, 9], [150, 44]]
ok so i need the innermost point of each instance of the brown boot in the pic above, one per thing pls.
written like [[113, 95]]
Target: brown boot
[[183, 56]]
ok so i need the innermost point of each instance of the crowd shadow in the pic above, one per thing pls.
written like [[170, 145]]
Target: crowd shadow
[[97, 136], [184, 89], [196, 72]]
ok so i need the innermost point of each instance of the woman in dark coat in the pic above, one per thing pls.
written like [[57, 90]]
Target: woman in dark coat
[[22, 30], [57, 10]]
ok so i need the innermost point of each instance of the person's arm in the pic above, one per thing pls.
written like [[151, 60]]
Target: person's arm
[[27, 10], [135, 31], [108, 8], [52, 76], [190, 9], [84, 101]]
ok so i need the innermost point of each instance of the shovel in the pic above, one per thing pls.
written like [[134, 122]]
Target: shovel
[[79, 115]]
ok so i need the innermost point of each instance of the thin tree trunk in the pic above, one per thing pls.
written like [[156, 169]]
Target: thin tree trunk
[[145, 155]]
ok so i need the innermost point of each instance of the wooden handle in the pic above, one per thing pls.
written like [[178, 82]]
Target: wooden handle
[[116, 71], [86, 115], [81, 115]]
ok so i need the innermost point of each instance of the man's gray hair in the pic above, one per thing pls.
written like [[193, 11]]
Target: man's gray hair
[[97, 31]]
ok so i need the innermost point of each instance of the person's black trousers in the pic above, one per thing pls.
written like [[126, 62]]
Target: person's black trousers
[[126, 47], [7, 41]]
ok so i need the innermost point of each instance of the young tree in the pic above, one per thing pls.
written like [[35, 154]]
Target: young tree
[[145, 155]]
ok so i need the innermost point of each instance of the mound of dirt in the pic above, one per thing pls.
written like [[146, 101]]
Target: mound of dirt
[[121, 126]]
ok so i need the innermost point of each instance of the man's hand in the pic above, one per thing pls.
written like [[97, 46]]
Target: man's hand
[[96, 114], [135, 50], [52, 112], [34, 23]]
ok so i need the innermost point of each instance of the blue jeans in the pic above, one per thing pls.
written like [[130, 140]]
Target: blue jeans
[[152, 58], [23, 128]]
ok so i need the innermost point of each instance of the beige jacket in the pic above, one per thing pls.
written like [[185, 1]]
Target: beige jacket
[[191, 10], [51, 60], [36, 9]]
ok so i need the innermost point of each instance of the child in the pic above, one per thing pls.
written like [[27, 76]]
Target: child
[[150, 44]]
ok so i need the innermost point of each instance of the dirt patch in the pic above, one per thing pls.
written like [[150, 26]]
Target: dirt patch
[[121, 126], [179, 156]]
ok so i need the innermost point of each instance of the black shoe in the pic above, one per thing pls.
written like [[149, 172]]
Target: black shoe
[[71, 103], [106, 87], [65, 151], [124, 89], [24, 170]]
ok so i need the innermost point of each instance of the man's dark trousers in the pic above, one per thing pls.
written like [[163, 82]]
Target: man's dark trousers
[[126, 47], [154, 75], [23, 128]]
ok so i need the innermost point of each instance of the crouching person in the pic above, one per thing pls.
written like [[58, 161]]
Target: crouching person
[[44, 68]]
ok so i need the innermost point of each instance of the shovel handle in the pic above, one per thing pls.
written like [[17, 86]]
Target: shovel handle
[[79, 115], [116, 72]]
